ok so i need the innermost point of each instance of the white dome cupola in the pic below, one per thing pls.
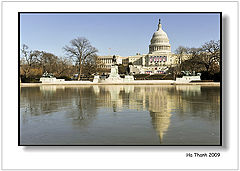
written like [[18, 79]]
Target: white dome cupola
[[160, 41]]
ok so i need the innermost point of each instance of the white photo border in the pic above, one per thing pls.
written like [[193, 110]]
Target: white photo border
[[82, 157]]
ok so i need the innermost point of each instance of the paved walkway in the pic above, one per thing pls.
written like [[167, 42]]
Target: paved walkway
[[137, 82]]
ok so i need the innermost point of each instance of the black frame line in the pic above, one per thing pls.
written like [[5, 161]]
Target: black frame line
[[19, 13]]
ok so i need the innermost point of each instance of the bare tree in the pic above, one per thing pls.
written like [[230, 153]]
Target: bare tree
[[181, 51], [64, 67], [193, 63], [210, 55], [28, 61], [82, 52], [47, 61]]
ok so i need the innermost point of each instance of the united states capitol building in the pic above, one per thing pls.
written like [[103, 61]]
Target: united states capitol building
[[158, 60]]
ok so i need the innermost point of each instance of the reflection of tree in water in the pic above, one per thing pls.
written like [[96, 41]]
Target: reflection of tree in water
[[28, 102], [43, 99], [84, 106], [201, 101], [212, 95], [80, 102], [36, 101]]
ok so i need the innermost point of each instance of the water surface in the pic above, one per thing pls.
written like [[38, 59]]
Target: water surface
[[120, 115]]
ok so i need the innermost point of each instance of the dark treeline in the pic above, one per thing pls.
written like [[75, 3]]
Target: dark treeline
[[34, 63], [205, 59], [80, 60]]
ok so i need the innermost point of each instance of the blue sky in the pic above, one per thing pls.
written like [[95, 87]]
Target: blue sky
[[122, 34]]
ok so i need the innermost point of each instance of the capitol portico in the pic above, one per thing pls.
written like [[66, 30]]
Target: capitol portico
[[158, 60]]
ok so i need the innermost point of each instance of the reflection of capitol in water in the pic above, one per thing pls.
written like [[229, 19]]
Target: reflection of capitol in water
[[160, 105], [161, 121], [162, 102]]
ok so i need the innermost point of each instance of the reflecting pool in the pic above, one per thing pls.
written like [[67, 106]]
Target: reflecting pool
[[120, 115]]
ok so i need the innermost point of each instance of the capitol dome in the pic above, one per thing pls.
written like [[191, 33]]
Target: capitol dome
[[160, 41]]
